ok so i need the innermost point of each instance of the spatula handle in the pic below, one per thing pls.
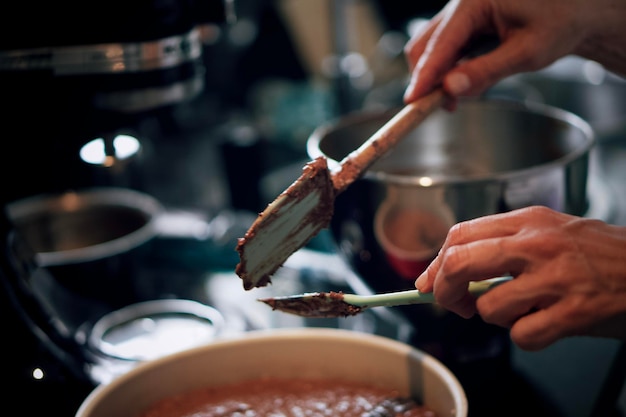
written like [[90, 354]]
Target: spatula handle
[[398, 298], [407, 119]]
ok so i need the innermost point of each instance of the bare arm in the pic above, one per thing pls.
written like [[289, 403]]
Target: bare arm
[[533, 34], [569, 275]]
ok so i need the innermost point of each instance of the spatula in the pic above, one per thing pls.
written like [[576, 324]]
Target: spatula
[[337, 304], [306, 206]]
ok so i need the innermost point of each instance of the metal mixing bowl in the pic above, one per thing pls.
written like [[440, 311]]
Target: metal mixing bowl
[[90, 239], [488, 156]]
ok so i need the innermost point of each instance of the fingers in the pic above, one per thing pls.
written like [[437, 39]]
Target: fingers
[[415, 47], [503, 306], [423, 79], [529, 41], [476, 230], [486, 227], [435, 50], [455, 266], [436, 59], [559, 311], [474, 261], [475, 250], [545, 326], [474, 76], [534, 331]]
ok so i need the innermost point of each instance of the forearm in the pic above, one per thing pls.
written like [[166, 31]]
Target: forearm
[[606, 40]]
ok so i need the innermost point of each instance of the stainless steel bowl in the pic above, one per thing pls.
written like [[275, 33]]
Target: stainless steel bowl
[[86, 225], [90, 239], [489, 156]]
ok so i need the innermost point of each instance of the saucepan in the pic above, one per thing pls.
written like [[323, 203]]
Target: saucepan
[[93, 240], [489, 156], [89, 239]]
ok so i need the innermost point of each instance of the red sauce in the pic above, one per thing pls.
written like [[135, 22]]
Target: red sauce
[[271, 397]]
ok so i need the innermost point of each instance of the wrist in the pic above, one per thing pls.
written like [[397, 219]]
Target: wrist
[[605, 41]]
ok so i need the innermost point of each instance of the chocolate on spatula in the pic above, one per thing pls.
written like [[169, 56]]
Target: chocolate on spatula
[[297, 214], [306, 206], [337, 304]]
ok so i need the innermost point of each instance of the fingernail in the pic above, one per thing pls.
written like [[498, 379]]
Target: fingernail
[[408, 93], [419, 282], [457, 83]]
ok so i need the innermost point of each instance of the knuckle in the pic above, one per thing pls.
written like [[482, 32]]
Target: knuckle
[[526, 341], [455, 260], [529, 338], [486, 308], [458, 232], [536, 211], [532, 60]]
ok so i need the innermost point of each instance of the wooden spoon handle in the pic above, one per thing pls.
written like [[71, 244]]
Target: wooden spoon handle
[[407, 119]]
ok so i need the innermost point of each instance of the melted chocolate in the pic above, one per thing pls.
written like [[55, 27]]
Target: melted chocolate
[[289, 397], [315, 178], [318, 305]]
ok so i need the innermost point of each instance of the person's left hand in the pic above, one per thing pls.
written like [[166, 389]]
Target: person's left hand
[[569, 274]]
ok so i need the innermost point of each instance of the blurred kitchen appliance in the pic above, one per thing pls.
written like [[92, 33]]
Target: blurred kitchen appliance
[[72, 71], [73, 74]]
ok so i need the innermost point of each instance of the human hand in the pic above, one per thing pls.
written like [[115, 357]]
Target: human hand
[[532, 35], [569, 275]]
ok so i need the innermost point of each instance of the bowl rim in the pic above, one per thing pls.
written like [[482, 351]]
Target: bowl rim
[[133, 313], [541, 109], [101, 391], [84, 198]]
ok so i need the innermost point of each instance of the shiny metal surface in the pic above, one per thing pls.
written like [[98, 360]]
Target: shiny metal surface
[[87, 225], [487, 157], [491, 152], [110, 58]]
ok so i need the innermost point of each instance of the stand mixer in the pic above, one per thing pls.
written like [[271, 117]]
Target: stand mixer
[[77, 75], [73, 72]]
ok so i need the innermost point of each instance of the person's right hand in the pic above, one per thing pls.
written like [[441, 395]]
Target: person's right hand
[[569, 275], [532, 34]]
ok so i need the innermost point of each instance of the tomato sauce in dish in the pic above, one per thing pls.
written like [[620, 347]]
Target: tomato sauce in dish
[[290, 397]]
